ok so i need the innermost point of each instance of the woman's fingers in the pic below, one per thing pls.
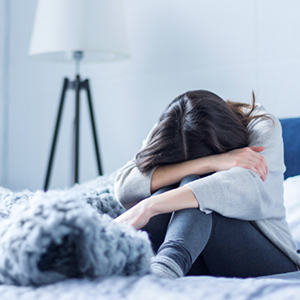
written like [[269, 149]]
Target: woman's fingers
[[257, 149], [137, 216], [248, 158], [256, 161], [262, 162]]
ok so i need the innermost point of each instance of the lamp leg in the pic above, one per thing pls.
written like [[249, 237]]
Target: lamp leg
[[76, 133], [89, 98], [77, 85], [56, 130]]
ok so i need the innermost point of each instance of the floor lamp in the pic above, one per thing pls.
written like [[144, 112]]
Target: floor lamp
[[78, 31]]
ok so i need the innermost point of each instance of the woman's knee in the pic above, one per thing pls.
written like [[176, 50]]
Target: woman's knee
[[188, 179], [184, 181], [165, 189]]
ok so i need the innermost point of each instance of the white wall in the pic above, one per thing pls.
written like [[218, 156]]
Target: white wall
[[2, 39], [227, 46], [4, 90]]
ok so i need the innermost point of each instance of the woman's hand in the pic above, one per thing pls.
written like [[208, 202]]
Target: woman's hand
[[177, 199], [248, 158], [137, 216]]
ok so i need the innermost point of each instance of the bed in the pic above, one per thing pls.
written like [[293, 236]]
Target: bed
[[99, 192]]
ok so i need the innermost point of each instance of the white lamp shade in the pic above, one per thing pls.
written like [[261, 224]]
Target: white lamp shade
[[95, 27]]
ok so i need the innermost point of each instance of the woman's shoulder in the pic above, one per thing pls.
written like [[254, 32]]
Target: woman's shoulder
[[265, 130], [264, 121], [260, 109]]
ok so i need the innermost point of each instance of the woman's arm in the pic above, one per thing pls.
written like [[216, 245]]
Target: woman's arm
[[248, 158], [131, 186], [183, 197], [139, 215], [237, 193]]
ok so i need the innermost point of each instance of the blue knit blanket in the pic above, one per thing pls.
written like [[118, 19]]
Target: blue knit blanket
[[60, 234]]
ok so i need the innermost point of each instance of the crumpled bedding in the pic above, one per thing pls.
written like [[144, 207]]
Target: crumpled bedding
[[149, 287], [98, 195], [61, 234]]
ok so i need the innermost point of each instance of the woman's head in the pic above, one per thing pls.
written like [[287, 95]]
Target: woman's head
[[195, 124]]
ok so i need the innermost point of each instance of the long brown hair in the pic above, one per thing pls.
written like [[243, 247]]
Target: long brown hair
[[196, 124]]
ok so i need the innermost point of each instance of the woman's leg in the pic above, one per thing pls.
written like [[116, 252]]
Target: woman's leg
[[237, 248], [157, 226], [187, 234], [216, 245]]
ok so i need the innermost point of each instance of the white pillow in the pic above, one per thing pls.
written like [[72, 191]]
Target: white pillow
[[292, 203]]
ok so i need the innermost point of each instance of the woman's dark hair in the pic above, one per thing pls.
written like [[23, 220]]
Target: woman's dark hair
[[196, 124]]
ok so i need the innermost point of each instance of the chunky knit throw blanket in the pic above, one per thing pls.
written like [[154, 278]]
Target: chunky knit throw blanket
[[60, 234]]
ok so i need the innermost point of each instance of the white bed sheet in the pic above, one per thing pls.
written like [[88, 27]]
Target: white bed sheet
[[292, 203], [152, 288]]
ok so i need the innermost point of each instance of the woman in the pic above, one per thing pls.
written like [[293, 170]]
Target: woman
[[215, 173]]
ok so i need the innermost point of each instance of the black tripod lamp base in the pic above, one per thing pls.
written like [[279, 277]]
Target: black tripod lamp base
[[78, 86]]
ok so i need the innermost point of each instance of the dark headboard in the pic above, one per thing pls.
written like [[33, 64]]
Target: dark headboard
[[291, 140]]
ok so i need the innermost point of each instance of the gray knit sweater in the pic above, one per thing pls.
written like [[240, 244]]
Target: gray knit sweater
[[236, 193]]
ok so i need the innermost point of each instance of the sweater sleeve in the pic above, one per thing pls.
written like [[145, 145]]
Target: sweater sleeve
[[132, 186], [240, 193]]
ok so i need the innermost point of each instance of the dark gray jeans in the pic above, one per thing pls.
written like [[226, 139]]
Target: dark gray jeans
[[211, 244]]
